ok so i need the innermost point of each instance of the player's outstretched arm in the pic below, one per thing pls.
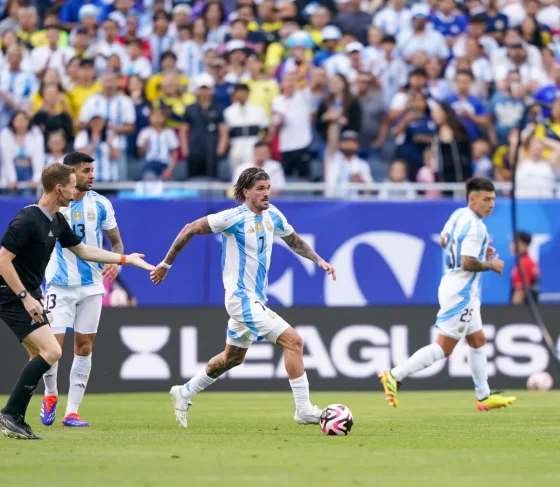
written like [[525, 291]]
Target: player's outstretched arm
[[198, 227], [93, 254], [111, 271], [300, 247], [472, 264]]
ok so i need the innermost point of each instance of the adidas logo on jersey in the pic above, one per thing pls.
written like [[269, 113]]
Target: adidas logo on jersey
[[251, 230]]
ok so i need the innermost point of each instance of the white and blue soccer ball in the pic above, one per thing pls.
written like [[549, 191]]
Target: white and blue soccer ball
[[540, 381], [336, 420]]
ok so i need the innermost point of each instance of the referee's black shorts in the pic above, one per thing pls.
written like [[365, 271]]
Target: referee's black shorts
[[14, 314]]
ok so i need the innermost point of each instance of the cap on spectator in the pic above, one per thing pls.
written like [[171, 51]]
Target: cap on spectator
[[235, 45], [353, 47], [182, 8], [88, 10], [299, 38], [118, 18], [331, 33], [204, 80], [420, 10], [478, 17], [349, 135]]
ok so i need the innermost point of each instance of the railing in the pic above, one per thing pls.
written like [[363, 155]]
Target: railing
[[361, 191]]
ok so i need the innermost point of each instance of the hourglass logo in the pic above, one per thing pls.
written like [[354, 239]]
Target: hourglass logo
[[145, 342]]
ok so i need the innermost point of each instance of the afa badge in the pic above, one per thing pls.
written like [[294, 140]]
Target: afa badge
[[91, 215], [259, 227], [77, 215], [268, 225]]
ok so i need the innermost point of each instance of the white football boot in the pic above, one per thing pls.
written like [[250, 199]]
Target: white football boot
[[312, 418], [180, 404]]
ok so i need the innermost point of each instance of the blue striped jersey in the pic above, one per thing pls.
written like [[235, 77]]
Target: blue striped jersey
[[247, 248], [466, 235], [87, 218]]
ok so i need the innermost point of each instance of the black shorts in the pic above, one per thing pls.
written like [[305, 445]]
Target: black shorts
[[14, 314]]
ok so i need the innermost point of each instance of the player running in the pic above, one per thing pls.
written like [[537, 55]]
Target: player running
[[467, 254], [74, 291], [247, 235]]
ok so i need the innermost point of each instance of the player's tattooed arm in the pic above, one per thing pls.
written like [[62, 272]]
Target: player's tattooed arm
[[301, 247], [198, 227], [472, 264], [114, 236]]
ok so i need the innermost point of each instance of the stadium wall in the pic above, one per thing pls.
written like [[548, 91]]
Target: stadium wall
[[385, 253], [152, 349]]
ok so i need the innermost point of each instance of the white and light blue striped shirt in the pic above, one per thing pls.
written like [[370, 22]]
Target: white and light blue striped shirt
[[466, 235], [247, 248], [190, 58], [159, 45], [87, 218]]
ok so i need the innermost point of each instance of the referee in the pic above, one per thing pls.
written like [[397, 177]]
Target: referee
[[26, 248]]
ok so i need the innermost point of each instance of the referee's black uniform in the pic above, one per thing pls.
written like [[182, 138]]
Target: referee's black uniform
[[31, 237]]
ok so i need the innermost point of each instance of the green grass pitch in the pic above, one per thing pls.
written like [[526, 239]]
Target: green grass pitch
[[432, 439]]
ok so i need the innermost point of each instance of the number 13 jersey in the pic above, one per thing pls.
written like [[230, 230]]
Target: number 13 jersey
[[87, 218], [466, 235]]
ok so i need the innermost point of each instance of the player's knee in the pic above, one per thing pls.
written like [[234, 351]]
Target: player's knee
[[295, 343], [477, 341], [83, 349], [52, 352]]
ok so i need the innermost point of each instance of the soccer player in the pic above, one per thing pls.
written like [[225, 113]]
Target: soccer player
[[26, 248], [467, 254], [74, 291], [247, 235]]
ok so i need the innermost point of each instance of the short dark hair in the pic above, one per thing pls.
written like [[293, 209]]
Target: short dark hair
[[388, 39], [168, 54], [76, 158], [479, 184], [262, 143], [465, 72], [241, 87], [55, 173], [247, 180], [523, 237]]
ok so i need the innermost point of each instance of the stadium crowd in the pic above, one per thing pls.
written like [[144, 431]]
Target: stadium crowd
[[339, 91]]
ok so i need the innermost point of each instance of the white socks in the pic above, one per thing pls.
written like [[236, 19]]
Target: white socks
[[197, 384], [50, 379], [478, 364], [422, 359], [300, 388], [79, 375]]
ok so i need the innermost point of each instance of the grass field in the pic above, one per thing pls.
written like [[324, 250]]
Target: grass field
[[433, 439]]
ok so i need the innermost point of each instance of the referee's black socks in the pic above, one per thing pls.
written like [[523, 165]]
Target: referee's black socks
[[25, 386]]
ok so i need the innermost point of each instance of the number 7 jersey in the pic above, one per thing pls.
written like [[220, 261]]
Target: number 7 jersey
[[87, 218], [466, 235]]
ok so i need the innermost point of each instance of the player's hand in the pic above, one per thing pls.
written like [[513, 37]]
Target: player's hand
[[497, 264], [34, 308], [137, 260], [327, 267], [158, 275], [490, 251], [110, 272]]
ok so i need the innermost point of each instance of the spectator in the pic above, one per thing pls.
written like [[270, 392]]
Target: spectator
[[262, 88], [506, 108], [418, 38], [28, 22], [448, 21], [50, 117], [246, 124], [16, 85], [504, 156], [161, 40], [482, 165], [550, 92], [11, 22], [56, 147], [135, 90], [117, 110], [158, 146], [398, 174], [496, 22], [173, 100], [550, 127], [298, 43], [390, 69], [214, 15], [168, 65], [452, 147], [353, 20], [203, 134], [131, 34], [535, 175], [181, 15], [471, 109], [531, 271], [22, 152], [96, 141], [135, 63], [108, 46], [51, 56], [330, 36], [342, 165], [85, 86], [236, 55], [416, 131], [394, 18], [188, 49], [477, 30], [348, 63], [291, 114], [340, 107], [438, 87], [476, 62], [50, 78], [319, 20], [399, 104], [262, 157]]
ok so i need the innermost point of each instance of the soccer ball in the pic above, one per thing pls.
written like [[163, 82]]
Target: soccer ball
[[336, 420], [540, 381]]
